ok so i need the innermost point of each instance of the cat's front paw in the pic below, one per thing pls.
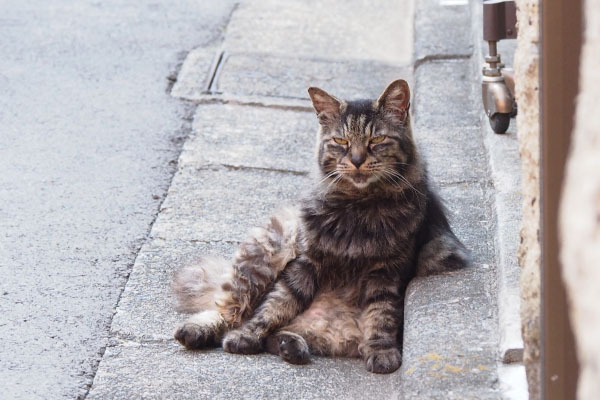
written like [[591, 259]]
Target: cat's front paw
[[194, 336], [241, 341], [383, 361]]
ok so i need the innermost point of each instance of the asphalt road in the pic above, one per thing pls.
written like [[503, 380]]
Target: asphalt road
[[88, 139]]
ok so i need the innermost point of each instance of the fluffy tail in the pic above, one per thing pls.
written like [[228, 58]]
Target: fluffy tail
[[235, 290], [440, 250], [197, 286]]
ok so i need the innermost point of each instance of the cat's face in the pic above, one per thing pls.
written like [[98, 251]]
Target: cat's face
[[364, 142]]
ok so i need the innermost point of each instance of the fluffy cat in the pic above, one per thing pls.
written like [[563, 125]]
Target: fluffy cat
[[329, 277]]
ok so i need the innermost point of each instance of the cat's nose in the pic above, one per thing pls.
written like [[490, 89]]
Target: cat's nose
[[358, 158]]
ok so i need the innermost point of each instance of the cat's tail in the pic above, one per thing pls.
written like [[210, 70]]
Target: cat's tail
[[441, 251], [197, 286], [235, 289]]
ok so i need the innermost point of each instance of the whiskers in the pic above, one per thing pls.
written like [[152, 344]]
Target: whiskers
[[395, 178], [335, 174], [329, 175], [386, 172]]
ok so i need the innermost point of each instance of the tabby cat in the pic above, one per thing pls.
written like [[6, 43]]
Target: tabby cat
[[329, 277]]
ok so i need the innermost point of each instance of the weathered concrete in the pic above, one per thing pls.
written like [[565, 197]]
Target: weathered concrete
[[271, 76], [450, 334], [190, 210], [277, 52], [527, 94], [446, 122], [256, 137], [167, 371], [450, 337], [379, 31], [505, 172], [242, 76], [505, 168], [196, 74], [468, 160], [446, 98], [88, 140], [580, 213], [442, 30]]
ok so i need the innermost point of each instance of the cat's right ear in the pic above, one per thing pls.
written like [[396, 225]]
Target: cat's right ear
[[328, 107]]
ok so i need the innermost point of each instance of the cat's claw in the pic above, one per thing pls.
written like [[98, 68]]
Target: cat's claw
[[384, 361], [242, 342]]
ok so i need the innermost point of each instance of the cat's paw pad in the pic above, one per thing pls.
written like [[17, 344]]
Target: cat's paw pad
[[384, 361], [194, 336], [292, 348], [242, 342]]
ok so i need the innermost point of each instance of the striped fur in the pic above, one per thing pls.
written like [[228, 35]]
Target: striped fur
[[329, 277]]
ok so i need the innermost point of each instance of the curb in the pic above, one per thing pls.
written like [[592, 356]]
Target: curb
[[451, 332], [505, 170]]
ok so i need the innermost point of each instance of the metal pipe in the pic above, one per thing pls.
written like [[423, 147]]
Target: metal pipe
[[493, 50]]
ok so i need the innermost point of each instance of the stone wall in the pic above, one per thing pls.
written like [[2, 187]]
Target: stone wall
[[527, 94], [580, 212]]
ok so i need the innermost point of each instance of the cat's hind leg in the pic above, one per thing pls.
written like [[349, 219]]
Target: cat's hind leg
[[290, 346], [292, 293], [329, 327], [222, 294], [257, 264]]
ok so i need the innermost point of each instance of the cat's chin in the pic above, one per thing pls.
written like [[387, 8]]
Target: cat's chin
[[361, 185]]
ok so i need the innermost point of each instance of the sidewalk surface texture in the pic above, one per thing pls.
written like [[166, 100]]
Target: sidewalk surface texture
[[250, 151], [89, 142]]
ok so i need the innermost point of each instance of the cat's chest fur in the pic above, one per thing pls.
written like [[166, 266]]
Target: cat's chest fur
[[359, 231]]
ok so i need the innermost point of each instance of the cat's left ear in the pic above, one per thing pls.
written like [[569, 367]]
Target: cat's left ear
[[395, 100]]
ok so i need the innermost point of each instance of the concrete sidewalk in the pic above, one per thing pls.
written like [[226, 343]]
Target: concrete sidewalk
[[251, 150], [89, 143]]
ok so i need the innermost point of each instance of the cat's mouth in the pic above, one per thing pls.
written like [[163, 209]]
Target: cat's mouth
[[359, 177], [361, 180]]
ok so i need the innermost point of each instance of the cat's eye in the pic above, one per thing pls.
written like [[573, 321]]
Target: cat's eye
[[377, 139], [340, 140]]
